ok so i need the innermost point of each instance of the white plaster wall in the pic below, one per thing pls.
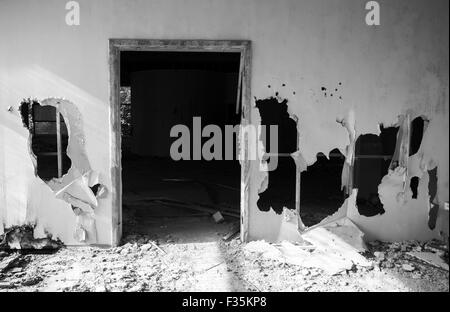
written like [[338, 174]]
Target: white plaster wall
[[402, 64]]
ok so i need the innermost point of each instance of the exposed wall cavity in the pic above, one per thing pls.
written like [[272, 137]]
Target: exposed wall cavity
[[417, 129], [79, 186], [41, 123], [280, 191], [321, 192], [373, 156], [414, 184], [411, 190], [432, 191]]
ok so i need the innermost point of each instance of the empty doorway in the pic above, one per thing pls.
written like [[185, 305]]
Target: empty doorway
[[158, 86]]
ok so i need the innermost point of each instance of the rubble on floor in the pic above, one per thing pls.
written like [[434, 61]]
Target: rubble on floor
[[22, 237], [333, 248], [409, 255], [144, 264]]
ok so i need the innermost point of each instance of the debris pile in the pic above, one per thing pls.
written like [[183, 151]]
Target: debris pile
[[408, 255], [22, 237], [142, 263]]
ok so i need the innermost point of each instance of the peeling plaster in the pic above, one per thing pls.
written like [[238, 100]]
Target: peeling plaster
[[276, 196], [407, 217], [77, 186], [380, 75]]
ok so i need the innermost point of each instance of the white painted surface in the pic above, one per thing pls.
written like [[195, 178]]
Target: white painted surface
[[401, 64]]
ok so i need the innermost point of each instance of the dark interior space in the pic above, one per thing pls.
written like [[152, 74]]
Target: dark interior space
[[414, 184], [320, 188], [177, 201], [373, 155], [280, 191], [432, 191], [42, 123], [417, 129]]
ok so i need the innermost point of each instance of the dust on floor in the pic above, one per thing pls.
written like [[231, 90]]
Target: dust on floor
[[142, 264]]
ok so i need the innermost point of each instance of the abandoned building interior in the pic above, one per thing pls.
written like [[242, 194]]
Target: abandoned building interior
[[361, 111]]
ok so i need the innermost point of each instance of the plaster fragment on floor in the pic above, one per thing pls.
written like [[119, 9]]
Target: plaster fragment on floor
[[430, 257], [333, 249]]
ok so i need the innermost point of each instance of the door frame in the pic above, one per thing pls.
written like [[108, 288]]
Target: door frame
[[118, 45]]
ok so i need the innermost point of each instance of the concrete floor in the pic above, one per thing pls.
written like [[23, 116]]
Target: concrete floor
[[145, 179]]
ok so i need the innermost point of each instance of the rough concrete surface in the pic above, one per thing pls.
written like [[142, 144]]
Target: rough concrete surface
[[141, 264]]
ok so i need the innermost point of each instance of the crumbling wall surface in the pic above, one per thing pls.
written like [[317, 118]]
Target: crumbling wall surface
[[336, 73], [66, 208], [45, 212], [393, 71], [407, 217]]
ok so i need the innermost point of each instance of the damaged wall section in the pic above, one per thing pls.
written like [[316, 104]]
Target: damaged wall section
[[379, 75], [78, 186], [48, 139], [280, 191], [321, 192], [408, 189], [373, 155]]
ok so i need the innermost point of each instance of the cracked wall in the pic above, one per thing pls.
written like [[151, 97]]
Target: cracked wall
[[302, 49]]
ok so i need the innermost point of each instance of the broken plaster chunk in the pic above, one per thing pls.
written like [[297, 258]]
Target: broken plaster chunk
[[218, 218], [80, 234], [94, 184], [432, 258], [22, 237], [408, 267], [99, 190], [75, 202], [85, 229], [79, 194], [299, 160], [146, 247], [289, 215], [379, 255]]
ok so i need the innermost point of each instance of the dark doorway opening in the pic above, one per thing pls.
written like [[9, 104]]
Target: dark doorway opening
[[168, 200]]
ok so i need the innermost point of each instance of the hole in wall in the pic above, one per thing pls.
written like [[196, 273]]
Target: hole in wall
[[280, 191], [414, 184], [80, 187], [432, 191], [320, 188], [42, 124], [373, 154], [417, 130]]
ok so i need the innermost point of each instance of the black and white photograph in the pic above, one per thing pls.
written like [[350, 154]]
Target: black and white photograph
[[220, 152]]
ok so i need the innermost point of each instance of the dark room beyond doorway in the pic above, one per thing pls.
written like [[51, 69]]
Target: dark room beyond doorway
[[177, 201]]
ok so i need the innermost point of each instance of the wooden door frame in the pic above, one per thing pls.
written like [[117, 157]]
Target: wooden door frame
[[118, 45]]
